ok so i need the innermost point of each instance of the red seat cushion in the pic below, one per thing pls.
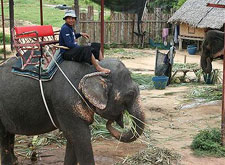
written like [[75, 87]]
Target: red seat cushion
[[44, 30]]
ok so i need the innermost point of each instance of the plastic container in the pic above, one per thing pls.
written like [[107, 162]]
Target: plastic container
[[192, 49], [160, 82]]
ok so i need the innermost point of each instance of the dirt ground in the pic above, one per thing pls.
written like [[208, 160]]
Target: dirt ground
[[170, 126]]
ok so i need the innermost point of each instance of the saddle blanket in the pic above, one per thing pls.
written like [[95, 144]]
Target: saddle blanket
[[32, 71]]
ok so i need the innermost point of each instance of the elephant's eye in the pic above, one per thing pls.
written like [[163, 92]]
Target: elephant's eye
[[129, 97]]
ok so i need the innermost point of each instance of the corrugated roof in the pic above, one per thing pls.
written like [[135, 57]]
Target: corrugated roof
[[197, 14]]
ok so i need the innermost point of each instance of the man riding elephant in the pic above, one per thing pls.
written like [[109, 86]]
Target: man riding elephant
[[67, 38]]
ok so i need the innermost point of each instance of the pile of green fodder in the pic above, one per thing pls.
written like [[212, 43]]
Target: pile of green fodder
[[143, 80], [208, 143], [99, 130], [179, 66], [28, 146], [206, 93], [152, 156]]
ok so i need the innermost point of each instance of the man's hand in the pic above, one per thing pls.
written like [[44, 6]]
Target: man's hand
[[85, 35]]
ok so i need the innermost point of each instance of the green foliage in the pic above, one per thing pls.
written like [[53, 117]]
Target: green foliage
[[213, 78], [2, 52], [179, 66], [152, 156], [206, 93], [143, 80], [7, 38], [99, 130], [208, 143], [28, 146], [113, 45], [52, 16], [180, 3], [165, 5]]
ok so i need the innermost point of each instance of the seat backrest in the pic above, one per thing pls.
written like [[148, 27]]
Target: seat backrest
[[44, 30]]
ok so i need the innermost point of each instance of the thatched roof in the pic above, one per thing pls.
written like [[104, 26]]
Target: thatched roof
[[197, 14]]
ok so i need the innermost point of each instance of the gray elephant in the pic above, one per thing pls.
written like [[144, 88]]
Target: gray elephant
[[212, 47], [22, 110]]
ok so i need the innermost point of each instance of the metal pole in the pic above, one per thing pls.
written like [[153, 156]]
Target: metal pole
[[41, 12], [223, 107], [102, 27], [3, 29], [11, 15]]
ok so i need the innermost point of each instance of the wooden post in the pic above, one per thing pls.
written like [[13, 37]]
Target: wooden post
[[180, 43], [77, 11], [90, 25], [11, 16], [158, 19], [223, 107], [113, 27]]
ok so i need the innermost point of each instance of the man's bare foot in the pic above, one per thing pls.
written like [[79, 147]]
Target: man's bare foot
[[104, 70]]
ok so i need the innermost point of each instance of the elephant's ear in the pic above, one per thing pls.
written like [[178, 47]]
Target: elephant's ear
[[95, 88]]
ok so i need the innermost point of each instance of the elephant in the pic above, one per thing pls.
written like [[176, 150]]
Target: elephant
[[22, 110], [212, 47]]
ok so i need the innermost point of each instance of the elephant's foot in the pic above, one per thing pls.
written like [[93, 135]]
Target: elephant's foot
[[7, 147], [70, 159], [7, 158], [15, 160]]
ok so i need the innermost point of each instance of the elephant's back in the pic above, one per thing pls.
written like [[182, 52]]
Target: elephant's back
[[7, 65]]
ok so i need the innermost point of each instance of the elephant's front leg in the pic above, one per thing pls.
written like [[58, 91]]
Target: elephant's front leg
[[79, 149], [7, 147]]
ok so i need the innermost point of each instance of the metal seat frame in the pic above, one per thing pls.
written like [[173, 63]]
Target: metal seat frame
[[35, 39]]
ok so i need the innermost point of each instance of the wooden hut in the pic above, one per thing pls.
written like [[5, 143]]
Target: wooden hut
[[195, 18]]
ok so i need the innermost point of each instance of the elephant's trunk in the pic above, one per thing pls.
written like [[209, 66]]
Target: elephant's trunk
[[134, 132], [206, 62]]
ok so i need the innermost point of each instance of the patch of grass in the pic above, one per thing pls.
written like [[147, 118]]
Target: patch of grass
[[207, 93], [2, 52], [208, 143], [124, 53], [29, 10], [143, 80], [7, 38]]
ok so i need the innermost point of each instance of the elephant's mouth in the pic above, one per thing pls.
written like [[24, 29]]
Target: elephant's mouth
[[131, 135]]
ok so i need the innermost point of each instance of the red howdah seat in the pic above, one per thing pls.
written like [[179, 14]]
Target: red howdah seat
[[33, 38]]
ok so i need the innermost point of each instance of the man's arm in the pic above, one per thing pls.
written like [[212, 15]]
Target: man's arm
[[77, 35]]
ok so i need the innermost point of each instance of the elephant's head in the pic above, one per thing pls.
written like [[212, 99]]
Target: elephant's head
[[212, 47], [111, 95]]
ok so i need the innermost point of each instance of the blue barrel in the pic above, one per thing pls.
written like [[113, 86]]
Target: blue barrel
[[192, 49], [160, 82]]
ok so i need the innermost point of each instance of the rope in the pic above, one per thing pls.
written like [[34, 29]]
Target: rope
[[69, 81], [46, 106], [42, 92]]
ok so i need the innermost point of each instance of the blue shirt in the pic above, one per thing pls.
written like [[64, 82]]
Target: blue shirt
[[67, 37]]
